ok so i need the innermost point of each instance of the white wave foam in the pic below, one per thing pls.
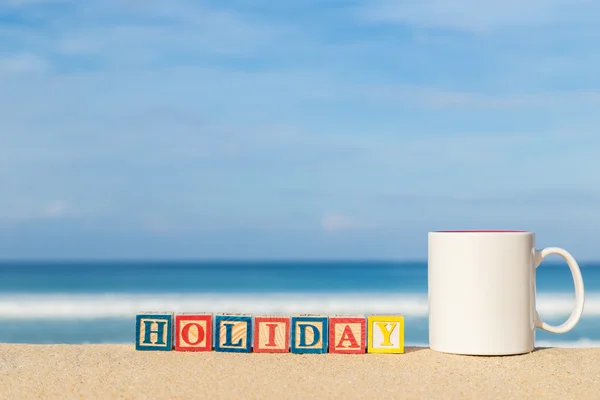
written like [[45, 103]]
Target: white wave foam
[[126, 305], [119, 305]]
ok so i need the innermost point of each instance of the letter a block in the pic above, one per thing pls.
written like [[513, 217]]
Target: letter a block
[[154, 331], [271, 334], [193, 332], [233, 332], [347, 334], [309, 333], [386, 334]]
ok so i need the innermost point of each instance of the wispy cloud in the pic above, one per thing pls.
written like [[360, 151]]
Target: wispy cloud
[[55, 209], [183, 120], [21, 63], [412, 96], [478, 16], [338, 222]]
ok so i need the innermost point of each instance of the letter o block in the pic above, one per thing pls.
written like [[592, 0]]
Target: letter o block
[[309, 334], [347, 334], [386, 334], [193, 332]]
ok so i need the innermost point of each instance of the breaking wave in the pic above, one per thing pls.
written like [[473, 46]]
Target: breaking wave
[[27, 306]]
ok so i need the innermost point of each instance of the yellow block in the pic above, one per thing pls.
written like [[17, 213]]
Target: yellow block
[[385, 334]]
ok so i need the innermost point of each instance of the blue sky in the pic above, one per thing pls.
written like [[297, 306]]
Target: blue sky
[[298, 128]]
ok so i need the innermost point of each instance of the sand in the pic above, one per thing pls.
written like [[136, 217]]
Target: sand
[[119, 371]]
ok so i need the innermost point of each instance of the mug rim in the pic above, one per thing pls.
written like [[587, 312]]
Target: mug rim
[[482, 231]]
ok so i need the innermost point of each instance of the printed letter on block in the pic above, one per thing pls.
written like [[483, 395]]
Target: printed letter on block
[[193, 332], [309, 333], [154, 331], [233, 332], [271, 334], [386, 334], [347, 334]]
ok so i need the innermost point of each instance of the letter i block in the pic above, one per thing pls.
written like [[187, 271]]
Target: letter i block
[[154, 331], [347, 334], [193, 332], [233, 332], [309, 333], [386, 334], [271, 334]]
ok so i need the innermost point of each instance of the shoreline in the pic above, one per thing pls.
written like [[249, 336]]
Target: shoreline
[[119, 371]]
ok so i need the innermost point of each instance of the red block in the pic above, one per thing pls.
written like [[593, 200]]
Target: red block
[[347, 334], [271, 334], [193, 332]]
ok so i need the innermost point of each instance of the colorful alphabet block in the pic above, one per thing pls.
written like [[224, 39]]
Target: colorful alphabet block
[[154, 331], [309, 333], [233, 332], [271, 334], [347, 334], [385, 333], [193, 331]]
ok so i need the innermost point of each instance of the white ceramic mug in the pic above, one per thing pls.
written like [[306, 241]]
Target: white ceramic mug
[[482, 292]]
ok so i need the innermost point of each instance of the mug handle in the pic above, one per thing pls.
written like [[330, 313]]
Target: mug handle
[[579, 291]]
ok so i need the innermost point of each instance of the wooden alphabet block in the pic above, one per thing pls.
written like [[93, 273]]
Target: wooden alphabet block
[[233, 332], [385, 333], [309, 333], [193, 331], [154, 331], [271, 334], [347, 334]]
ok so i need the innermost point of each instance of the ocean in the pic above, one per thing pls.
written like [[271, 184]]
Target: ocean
[[96, 302]]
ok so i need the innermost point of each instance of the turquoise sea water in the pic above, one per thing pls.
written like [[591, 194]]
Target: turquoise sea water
[[95, 302]]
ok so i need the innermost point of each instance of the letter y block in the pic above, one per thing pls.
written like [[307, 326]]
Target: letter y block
[[386, 334]]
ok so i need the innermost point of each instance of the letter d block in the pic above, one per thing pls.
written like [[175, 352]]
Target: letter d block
[[154, 331], [233, 333], [193, 332], [347, 334], [309, 333], [271, 334], [386, 334]]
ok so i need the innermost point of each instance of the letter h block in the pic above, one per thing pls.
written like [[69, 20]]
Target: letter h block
[[309, 333], [271, 334], [233, 332], [154, 331], [347, 334], [193, 332], [386, 333]]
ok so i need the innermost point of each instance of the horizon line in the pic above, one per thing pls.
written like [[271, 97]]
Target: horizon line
[[269, 260]]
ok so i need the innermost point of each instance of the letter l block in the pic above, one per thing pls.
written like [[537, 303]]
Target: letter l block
[[233, 332]]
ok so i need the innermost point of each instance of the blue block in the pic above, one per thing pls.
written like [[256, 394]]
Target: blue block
[[233, 332], [309, 334], [154, 331]]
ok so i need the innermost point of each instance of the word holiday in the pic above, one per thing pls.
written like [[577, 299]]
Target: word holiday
[[244, 333]]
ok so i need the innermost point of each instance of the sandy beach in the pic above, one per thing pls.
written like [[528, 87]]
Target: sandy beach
[[119, 371]]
